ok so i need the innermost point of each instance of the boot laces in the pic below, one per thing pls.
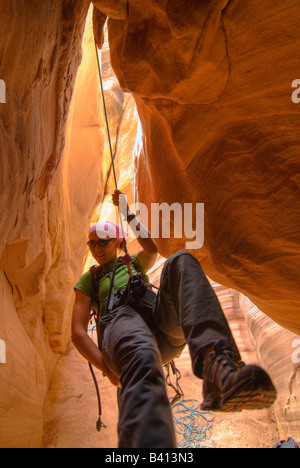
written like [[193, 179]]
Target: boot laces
[[226, 353]]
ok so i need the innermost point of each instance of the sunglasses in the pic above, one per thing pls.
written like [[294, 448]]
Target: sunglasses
[[101, 243]]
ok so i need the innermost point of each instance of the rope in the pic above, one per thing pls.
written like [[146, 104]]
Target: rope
[[99, 423], [193, 425], [127, 258], [105, 112]]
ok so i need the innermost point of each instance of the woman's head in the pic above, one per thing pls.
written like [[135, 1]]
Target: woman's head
[[105, 238]]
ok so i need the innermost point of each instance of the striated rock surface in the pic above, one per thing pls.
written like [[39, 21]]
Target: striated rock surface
[[219, 128], [77, 400], [114, 9], [212, 83], [279, 351], [44, 216]]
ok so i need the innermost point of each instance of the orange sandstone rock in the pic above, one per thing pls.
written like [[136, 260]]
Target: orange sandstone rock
[[115, 9], [43, 218], [212, 82]]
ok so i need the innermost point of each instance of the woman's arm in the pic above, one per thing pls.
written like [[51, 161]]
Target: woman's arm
[[84, 344], [148, 254]]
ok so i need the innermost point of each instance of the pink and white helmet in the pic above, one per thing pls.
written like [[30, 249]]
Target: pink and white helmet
[[108, 230]]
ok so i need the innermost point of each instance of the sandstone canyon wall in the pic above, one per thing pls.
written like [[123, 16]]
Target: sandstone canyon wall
[[212, 86], [43, 219], [212, 81]]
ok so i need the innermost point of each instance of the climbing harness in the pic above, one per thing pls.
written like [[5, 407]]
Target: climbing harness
[[136, 293]]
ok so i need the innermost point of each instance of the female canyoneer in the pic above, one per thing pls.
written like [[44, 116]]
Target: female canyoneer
[[139, 335]]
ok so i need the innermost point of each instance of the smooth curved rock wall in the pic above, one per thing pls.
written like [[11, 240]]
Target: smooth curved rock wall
[[50, 184], [233, 135], [212, 82], [278, 350]]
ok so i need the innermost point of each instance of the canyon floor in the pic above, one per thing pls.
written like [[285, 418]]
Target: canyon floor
[[74, 413]]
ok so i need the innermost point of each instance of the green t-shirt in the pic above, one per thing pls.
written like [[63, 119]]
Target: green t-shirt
[[85, 284]]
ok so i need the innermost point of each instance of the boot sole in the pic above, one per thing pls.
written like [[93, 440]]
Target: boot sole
[[255, 392], [257, 399]]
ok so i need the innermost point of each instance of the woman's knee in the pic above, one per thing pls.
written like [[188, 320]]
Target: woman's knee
[[138, 364], [182, 258], [135, 347]]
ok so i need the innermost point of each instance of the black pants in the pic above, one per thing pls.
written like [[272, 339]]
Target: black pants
[[186, 311]]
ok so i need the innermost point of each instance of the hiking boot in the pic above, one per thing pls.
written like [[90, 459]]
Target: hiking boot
[[230, 386]]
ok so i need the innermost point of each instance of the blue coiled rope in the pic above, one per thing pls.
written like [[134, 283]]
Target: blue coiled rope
[[193, 425]]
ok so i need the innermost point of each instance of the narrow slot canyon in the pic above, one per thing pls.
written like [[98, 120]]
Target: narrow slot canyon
[[200, 112]]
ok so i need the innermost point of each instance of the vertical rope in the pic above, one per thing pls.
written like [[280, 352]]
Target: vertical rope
[[110, 144], [105, 112]]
